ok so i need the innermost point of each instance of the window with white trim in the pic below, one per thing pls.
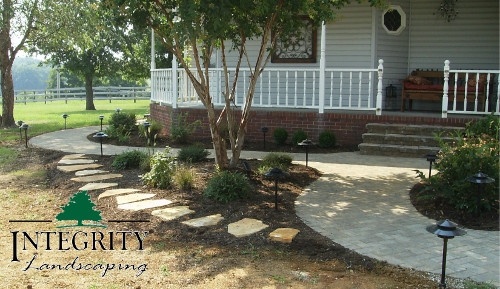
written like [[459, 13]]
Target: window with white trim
[[394, 20]]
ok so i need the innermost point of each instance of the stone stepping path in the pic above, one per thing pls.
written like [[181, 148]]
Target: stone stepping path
[[211, 220], [133, 198], [142, 205], [172, 213], [96, 178], [86, 170], [89, 172], [114, 192]]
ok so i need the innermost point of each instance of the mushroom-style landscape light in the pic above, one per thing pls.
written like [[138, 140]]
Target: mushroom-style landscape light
[[146, 128], [264, 130], [431, 158], [445, 230], [306, 143], [276, 174], [65, 116], [101, 117], [480, 180], [118, 110], [100, 135], [25, 127], [19, 124]]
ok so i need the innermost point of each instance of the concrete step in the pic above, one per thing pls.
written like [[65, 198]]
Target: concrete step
[[402, 139], [396, 150], [409, 129]]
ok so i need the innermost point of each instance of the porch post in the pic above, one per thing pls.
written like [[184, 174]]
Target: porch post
[[444, 108], [175, 81], [322, 65], [153, 52], [378, 104]]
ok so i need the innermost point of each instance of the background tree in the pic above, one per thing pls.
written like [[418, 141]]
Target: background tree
[[17, 21], [204, 26]]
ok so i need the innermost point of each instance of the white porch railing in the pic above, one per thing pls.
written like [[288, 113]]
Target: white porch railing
[[346, 89], [478, 98]]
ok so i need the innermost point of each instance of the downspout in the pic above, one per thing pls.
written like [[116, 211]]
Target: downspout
[[322, 66]]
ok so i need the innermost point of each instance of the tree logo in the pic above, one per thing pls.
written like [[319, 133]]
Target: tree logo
[[80, 208]]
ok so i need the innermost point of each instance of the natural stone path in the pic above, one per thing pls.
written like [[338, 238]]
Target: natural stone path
[[86, 171]]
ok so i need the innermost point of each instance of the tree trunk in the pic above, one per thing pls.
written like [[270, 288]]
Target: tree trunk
[[218, 141], [7, 119], [89, 92]]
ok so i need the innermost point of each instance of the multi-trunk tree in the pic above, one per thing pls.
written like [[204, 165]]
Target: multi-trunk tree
[[204, 26]]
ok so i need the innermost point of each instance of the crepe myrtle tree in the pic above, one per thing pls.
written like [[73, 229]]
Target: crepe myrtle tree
[[203, 26]]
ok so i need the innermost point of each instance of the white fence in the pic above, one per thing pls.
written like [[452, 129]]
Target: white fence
[[107, 93], [347, 89]]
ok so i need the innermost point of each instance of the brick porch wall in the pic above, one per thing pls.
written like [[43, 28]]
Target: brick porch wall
[[347, 126]]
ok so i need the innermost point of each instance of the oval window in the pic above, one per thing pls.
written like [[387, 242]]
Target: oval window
[[394, 20]]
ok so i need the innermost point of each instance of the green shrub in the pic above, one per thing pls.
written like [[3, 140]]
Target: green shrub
[[298, 136], [162, 170], [226, 186], [184, 178], [181, 130], [456, 162], [129, 159], [327, 139], [121, 125], [280, 135], [192, 154], [488, 125], [275, 160], [154, 130]]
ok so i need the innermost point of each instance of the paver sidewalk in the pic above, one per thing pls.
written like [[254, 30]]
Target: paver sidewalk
[[362, 203]]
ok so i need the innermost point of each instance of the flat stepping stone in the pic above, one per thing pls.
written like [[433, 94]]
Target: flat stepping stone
[[115, 192], [142, 205], [73, 157], [74, 168], [204, 221], [133, 198], [76, 162], [245, 227], [172, 213], [84, 173], [96, 178], [283, 235], [97, 186]]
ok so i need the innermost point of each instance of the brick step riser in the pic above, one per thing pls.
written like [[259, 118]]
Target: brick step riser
[[413, 130], [399, 151], [404, 140]]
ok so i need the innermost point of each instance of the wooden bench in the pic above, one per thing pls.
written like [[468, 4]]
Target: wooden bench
[[428, 85]]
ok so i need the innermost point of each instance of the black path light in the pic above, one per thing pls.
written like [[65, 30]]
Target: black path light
[[445, 230], [101, 117], [19, 124], [100, 135], [25, 127], [431, 158], [480, 180], [65, 116], [118, 110], [264, 130], [306, 143], [146, 128], [276, 174]]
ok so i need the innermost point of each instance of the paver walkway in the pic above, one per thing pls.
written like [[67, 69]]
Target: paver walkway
[[361, 202]]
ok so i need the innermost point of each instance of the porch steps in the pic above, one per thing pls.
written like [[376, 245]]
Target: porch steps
[[404, 140]]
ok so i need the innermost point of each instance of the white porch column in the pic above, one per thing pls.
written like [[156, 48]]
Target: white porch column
[[175, 81], [322, 66], [153, 52], [379, 87], [444, 108]]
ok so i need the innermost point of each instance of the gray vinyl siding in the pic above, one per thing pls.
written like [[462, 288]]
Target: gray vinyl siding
[[471, 41]]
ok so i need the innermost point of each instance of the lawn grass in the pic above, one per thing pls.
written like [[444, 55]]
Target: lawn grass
[[43, 118]]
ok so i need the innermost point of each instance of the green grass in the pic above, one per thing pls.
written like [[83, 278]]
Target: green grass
[[43, 118], [7, 155]]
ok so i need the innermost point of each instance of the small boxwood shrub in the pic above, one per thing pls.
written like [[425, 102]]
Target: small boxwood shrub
[[280, 135], [226, 186], [192, 154], [275, 160], [327, 139], [129, 159], [298, 136], [121, 125], [162, 170]]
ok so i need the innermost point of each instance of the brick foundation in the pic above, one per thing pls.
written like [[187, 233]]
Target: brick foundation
[[347, 126]]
